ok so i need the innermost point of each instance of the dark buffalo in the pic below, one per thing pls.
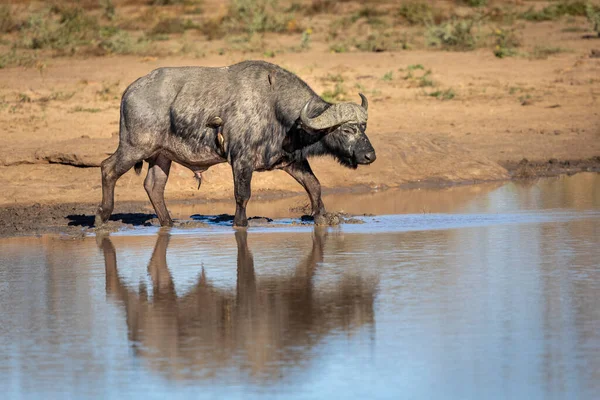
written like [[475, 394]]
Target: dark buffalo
[[254, 115]]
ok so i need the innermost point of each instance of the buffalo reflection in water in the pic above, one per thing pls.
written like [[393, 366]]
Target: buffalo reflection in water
[[267, 324]]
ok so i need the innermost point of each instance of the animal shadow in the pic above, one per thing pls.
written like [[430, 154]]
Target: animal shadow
[[135, 219]]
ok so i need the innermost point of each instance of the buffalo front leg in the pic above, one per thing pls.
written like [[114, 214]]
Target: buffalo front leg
[[112, 169], [242, 177], [156, 180], [302, 173]]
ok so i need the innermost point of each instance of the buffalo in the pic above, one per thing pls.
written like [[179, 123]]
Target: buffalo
[[254, 115]]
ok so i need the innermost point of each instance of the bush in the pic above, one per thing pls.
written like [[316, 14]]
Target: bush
[[73, 28], [416, 13], [168, 25], [7, 22], [120, 42], [455, 35], [555, 11], [166, 2], [475, 3], [256, 16], [593, 15]]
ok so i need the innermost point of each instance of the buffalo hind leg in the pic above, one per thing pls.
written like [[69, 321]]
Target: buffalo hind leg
[[302, 173], [156, 180], [242, 178], [112, 169]]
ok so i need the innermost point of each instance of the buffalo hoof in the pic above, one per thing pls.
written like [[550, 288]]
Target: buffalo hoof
[[327, 219], [98, 221], [243, 223], [320, 220], [167, 224]]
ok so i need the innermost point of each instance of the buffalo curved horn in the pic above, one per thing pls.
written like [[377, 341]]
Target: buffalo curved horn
[[327, 120], [365, 102]]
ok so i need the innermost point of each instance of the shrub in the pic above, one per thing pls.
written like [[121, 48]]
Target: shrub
[[166, 2], [73, 28], [455, 35], [556, 10], [168, 25], [416, 13], [593, 15], [475, 3], [252, 16], [7, 22], [120, 42]]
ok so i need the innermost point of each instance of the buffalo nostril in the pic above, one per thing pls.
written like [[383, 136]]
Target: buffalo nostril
[[370, 157]]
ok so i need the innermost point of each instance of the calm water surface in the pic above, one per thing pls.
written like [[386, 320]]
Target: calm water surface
[[481, 292]]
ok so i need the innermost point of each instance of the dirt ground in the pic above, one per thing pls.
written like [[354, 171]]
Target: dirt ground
[[59, 117]]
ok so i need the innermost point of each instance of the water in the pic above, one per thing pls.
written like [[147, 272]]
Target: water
[[487, 292]]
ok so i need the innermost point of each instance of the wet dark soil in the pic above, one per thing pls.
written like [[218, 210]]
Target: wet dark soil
[[77, 219], [531, 169]]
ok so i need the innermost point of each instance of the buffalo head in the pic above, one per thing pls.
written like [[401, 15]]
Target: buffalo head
[[345, 124]]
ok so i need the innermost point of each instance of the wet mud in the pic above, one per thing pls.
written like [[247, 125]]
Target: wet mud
[[532, 169], [77, 219]]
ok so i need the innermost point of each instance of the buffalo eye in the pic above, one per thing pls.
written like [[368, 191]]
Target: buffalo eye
[[348, 131]]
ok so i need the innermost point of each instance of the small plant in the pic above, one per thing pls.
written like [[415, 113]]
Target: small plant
[[334, 78], [335, 95], [14, 58], [443, 94], [455, 35], [475, 3], [108, 91], [368, 13], [316, 7], [425, 80], [593, 16], [379, 41], [525, 100], [305, 40], [108, 9], [24, 98], [388, 76], [543, 52], [88, 110], [166, 2], [338, 48], [58, 96], [422, 79], [414, 67], [514, 89], [506, 42]]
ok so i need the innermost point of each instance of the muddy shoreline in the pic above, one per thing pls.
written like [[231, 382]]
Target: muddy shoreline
[[77, 219]]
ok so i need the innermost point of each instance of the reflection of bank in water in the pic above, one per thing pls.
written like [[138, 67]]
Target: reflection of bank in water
[[263, 326]]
